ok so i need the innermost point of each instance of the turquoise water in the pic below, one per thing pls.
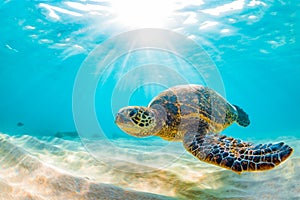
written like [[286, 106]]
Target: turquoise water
[[246, 50]]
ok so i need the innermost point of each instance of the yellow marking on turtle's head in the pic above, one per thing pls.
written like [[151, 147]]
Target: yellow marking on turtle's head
[[136, 121]]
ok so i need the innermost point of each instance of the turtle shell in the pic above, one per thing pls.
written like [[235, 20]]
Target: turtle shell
[[190, 108]]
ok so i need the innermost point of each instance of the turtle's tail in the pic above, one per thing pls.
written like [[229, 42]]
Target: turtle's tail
[[243, 118]]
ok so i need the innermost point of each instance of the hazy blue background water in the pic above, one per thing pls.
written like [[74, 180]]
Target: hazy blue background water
[[254, 44]]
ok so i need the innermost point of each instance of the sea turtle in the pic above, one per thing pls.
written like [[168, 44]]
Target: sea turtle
[[195, 114]]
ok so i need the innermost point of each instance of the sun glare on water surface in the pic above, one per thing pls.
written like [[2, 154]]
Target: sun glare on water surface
[[143, 13]]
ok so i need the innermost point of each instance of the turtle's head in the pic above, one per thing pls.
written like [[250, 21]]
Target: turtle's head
[[137, 121]]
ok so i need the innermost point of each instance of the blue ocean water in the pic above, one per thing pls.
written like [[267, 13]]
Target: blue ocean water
[[255, 49], [253, 45]]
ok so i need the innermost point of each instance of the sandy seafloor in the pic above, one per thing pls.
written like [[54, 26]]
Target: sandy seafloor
[[61, 168]]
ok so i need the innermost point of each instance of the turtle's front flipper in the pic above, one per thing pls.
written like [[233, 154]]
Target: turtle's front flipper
[[234, 154]]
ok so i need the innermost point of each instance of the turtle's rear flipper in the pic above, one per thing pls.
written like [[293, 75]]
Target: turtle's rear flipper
[[243, 118], [234, 154]]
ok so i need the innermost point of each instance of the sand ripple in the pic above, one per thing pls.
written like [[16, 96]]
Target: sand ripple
[[56, 168]]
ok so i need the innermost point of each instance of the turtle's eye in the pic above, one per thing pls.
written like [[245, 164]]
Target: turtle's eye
[[146, 113], [132, 113]]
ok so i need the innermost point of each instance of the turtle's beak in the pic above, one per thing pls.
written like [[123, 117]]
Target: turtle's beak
[[125, 124], [121, 119]]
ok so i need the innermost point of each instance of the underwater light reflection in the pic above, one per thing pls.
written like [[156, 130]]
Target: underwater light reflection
[[142, 13]]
